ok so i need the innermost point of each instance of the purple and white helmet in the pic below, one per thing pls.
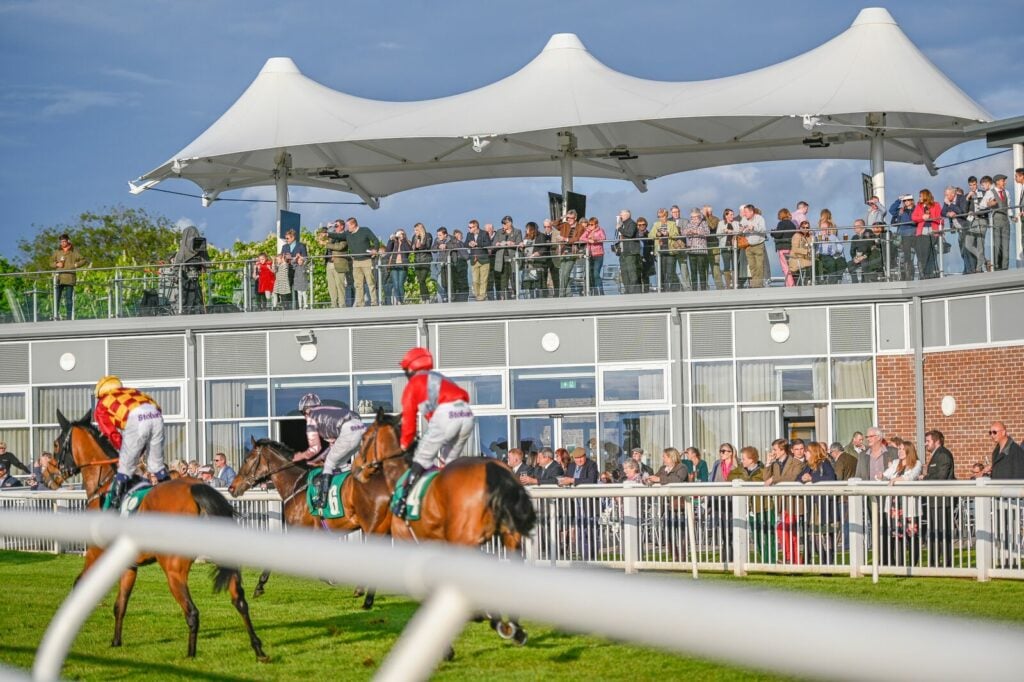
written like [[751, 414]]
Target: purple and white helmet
[[307, 401]]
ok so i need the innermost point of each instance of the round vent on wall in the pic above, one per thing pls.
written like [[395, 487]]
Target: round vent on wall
[[948, 405], [780, 332], [307, 352], [68, 362], [550, 342]]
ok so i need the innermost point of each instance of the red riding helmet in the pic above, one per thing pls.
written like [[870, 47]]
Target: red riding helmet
[[417, 359]]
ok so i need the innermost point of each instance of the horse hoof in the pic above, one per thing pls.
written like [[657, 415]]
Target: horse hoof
[[359, 592], [258, 592], [115, 643], [450, 654], [367, 605], [520, 637], [263, 658], [505, 630]]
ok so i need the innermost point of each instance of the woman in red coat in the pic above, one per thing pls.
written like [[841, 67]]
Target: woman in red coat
[[927, 216], [263, 273]]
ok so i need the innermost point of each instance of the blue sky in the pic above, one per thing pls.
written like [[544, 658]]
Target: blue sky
[[93, 94]]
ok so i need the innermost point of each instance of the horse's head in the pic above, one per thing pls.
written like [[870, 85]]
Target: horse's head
[[381, 442], [263, 461], [77, 444]]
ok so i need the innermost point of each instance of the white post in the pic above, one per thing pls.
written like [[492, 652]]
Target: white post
[[425, 640], [878, 167], [1018, 191], [740, 531], [984, 534], [855, 522], [631, 533], [567, 146], [691, 534]]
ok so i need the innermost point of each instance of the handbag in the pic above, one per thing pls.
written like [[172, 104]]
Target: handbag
[[742, 242]]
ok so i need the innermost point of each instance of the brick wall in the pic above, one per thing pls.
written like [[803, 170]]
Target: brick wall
[[987, 385]]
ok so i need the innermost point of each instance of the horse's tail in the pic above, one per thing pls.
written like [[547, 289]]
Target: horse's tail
[[212, 503], [509, 502]]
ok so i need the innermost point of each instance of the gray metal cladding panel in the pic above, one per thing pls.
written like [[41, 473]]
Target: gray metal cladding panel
[[575, 342], [377, 349], [850, 329], [13, 363], [158, 357], [807, 331], [892, 329], [632, 338], [332, 346], [934, 323], [471, 345], [1006, 318], [90, 361], [711, 335], [227, 355], [968, 321]]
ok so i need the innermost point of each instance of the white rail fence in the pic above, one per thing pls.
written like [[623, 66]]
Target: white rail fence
[[454, 583], [965, 529]]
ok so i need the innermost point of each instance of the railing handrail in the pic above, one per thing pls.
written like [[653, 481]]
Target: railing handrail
[[456, 582]]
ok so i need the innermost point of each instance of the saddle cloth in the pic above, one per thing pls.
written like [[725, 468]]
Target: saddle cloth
[[334, 508], [415, 498]]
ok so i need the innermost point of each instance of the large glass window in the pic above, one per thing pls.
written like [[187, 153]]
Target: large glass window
[[853, 378], [232, 438], [72, 401], [167, 397], [849, 418], [175, 442], [633, 385], [236, 398], [12, 407], [43, 438], [554, 387], [285, 393], [374, 391], [711, 426], [483, 390], [623, 431], [782, 380], [18, 444], [713, 382], [490, 438]]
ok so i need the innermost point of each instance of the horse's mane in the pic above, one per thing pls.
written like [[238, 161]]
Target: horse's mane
[[108, 449], [275, 445]]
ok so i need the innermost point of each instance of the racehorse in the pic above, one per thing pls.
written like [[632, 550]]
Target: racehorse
[[470, 501], [367, 509], [81, 448]]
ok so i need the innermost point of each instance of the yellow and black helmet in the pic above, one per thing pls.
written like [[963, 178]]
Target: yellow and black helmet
[[107, 384]]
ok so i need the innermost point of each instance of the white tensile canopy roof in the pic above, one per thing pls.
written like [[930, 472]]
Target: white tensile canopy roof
[[565, 113]]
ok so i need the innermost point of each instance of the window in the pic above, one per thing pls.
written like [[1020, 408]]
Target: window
[[484, 390], [490, 438], [853, 378], [556, 387], [711, 426], [633, 384], [236, 398], [232, 438], [375, 391], [72, 401], [782, 380], [713, 382], [623, 431], [849, 418], [18, 443], [285, 393], [13, 407], [167, 397]]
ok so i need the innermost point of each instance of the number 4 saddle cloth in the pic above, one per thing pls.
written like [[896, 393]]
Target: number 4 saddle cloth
[[419, 491]]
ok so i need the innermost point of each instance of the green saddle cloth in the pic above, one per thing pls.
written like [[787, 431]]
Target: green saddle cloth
[[132, 500], [334, 508], [419, 490]]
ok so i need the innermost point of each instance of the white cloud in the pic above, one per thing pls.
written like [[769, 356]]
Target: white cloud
[[134, 76], [66, 101], [389, 45]]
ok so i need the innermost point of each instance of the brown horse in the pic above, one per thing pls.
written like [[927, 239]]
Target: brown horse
[[472, 499], [81, 448], [367, 511]]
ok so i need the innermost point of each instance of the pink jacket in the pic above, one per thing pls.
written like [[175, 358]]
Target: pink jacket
[[934, 218], [595, 241]]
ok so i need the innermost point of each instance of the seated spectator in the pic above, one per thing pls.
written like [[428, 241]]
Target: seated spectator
[[207, 477], [581, 470], [672, 469], [547, 471], [6, 480], [632, 473], [883, 257], [696, 464]]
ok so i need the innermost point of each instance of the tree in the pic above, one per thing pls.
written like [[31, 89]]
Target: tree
[[105, 239]]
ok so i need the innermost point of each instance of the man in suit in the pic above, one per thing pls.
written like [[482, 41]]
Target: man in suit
[[516, 463], [547, 471], [876, 458], [506, 242], [938, 509], [844, 464], [1007, 457], [997, 200], [582, 469]]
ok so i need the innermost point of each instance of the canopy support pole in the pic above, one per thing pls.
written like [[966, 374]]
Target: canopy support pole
[[1018, 191], [878, 157], [284, 162], [567, 146]]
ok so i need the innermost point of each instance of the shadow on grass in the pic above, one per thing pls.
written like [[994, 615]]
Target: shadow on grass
[[139, 667], [25, 558]]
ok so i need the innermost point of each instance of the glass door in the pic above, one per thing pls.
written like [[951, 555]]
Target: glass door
[[554, 431], [534, 433]]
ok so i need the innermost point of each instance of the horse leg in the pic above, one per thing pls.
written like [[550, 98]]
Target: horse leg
[[177, 581], [519, 635], [91, 555], [371, 594], [124, 593], [264, 577], [242, 606]]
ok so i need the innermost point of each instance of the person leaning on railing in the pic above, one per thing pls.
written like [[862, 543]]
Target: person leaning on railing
[[752, 226], [422, 256], [696, 232], [533, 263], [760, 511], [927, 217], [507, 242], [665, 234], [800, 252], [954, 209], [594, 237], [783, 235], [66, 259]]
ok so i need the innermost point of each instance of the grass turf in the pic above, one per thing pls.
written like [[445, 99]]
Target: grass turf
[[310, 629]]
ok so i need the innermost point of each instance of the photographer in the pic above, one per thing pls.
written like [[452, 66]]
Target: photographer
[[396, 262], [191, 262]]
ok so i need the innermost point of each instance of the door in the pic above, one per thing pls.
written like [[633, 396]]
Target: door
[[534, 433], [292, 432], [553, 431]]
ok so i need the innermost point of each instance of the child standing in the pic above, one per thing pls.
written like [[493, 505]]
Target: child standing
[[300, 280], [282, 287], [263, 273]]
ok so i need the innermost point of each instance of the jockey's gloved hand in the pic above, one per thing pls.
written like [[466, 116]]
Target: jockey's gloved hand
[[162, 475]]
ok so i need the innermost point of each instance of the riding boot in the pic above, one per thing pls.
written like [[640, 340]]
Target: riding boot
[[401, 506], [322, 483], [162, 475], [116, 494]]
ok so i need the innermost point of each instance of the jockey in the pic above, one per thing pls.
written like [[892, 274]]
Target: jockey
[[132, 422], [339, 426], [445, 407]]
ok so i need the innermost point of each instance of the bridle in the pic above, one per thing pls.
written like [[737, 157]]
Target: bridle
[[374, 466], [252, 480], [68, 466]]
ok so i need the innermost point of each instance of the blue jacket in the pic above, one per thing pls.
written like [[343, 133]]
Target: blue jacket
[[905, 226], [294, 249]]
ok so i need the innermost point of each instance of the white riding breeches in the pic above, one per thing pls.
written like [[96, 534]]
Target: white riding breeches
[[144, 430], [344, 447], [447, 434]]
